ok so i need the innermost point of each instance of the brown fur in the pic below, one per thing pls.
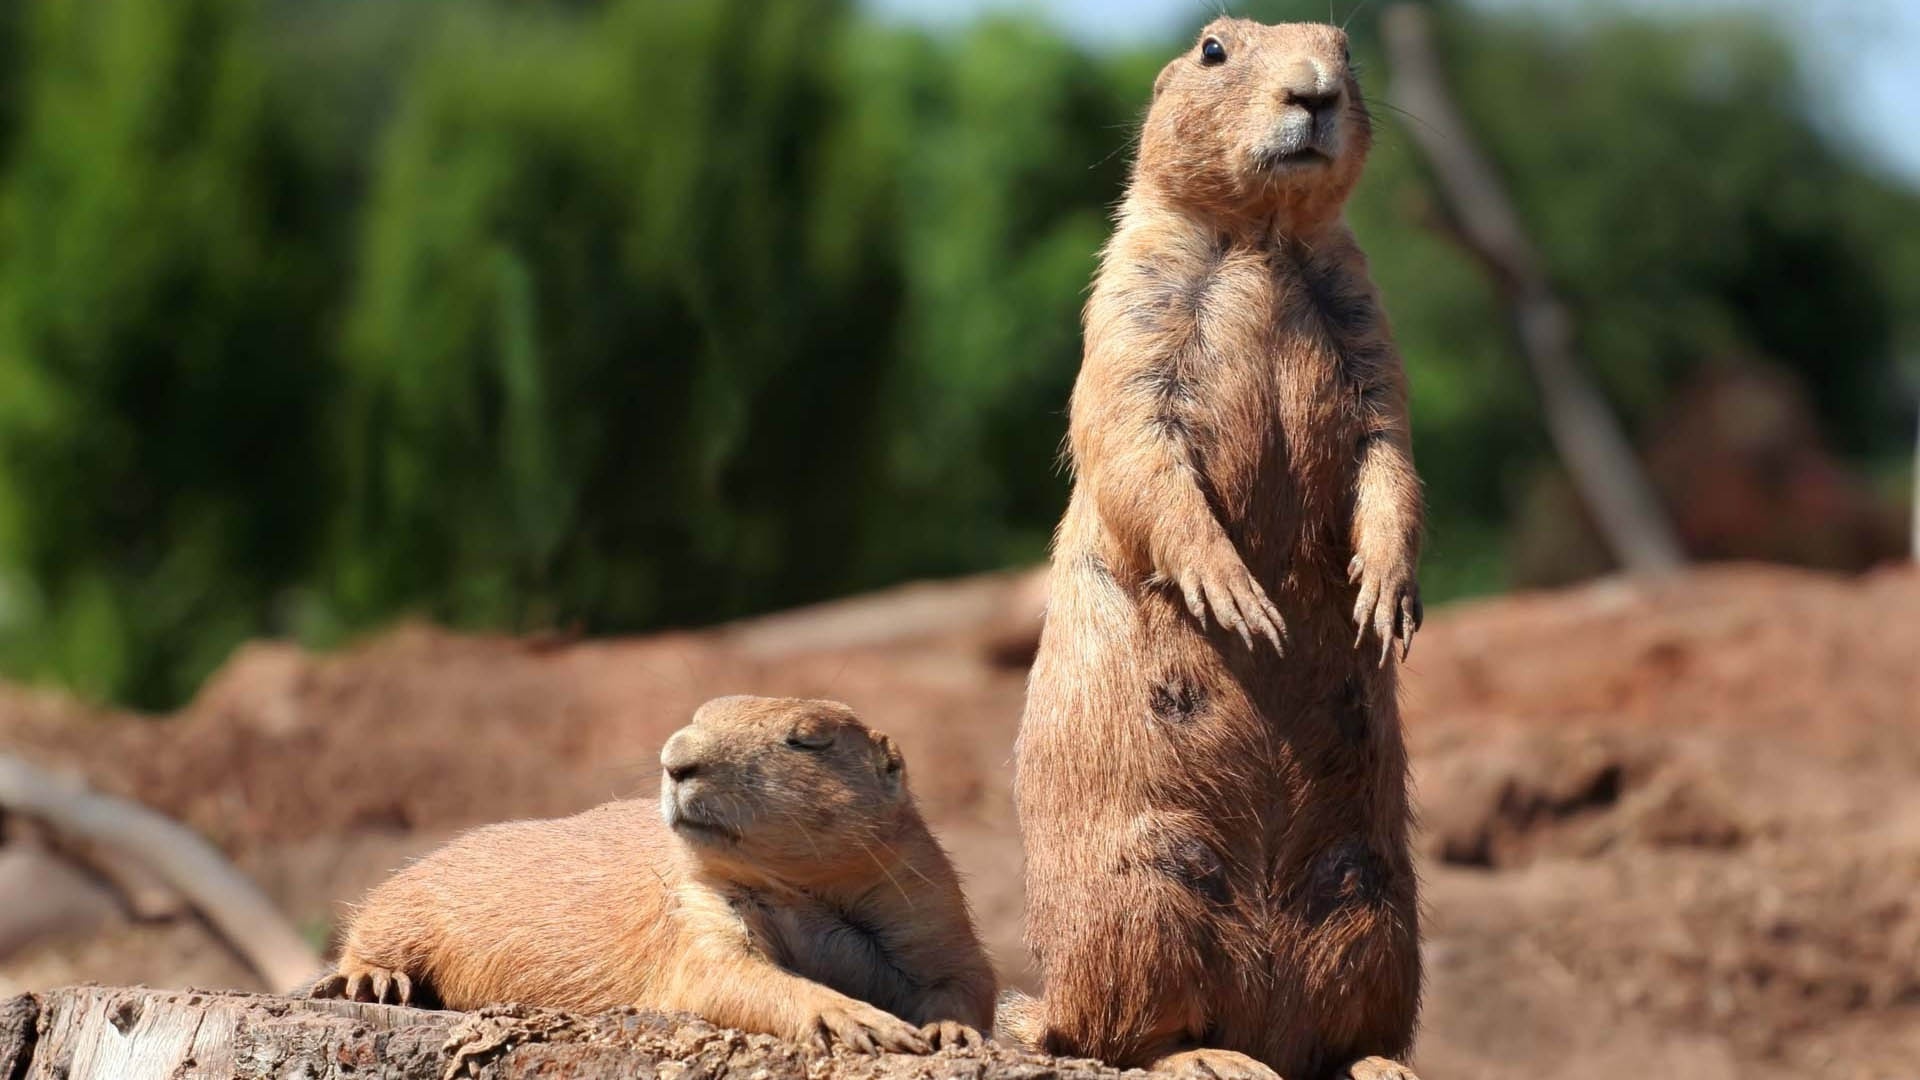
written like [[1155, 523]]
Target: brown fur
[[783, 883], [1216, 834]]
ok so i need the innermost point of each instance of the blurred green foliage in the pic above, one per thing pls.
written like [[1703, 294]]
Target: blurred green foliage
[[517, 314]]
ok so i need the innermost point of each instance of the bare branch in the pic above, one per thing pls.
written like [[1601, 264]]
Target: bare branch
[[1584, 430], [231, 903]]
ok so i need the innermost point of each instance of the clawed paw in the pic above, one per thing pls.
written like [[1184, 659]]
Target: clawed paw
[[374, 985], [951, 1034], [1388, 604], [861, 1027], [1220, 582], [1211, 1064], [1379, 1068]]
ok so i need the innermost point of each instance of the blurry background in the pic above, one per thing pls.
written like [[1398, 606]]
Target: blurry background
[[613, 316], [372, 371]]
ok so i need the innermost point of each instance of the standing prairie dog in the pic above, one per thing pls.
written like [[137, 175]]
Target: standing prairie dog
[[783, 883], [1211, 778]]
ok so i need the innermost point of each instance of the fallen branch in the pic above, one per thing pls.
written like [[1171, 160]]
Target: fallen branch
[[231, 903], [1596, 452]]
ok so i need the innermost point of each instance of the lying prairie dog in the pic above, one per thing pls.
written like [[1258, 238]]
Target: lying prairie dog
[[783, 883]]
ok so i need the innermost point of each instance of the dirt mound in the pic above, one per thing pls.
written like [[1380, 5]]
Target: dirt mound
[[1670, 828]]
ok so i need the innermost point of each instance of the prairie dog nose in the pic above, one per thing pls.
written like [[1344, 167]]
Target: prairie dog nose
[[681, 756], [1307, 83]]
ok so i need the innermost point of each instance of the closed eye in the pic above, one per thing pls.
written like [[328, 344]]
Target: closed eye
[[812, 741]]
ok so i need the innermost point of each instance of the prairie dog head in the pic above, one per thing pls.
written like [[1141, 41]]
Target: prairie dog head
[[1255, 121], [790, 787]]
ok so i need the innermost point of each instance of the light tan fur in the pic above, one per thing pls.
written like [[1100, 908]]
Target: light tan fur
[[1211, 778], [784, 883]]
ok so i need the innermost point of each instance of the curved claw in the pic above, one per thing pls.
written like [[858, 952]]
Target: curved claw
[[1196, 603], [1227, 612], [1262, 617], [904, 1039], [1220, 590], [860, 1040], [1409, 622], [950, 1034], [1363, 610], [1391, 610], [874, 1034], [1383, 627]]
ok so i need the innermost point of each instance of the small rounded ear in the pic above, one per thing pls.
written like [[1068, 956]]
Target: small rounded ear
[[1160, 81], [887, 761]]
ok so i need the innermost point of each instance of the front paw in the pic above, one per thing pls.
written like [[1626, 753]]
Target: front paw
[[859, 1026], [360, 982], [1211, 1064], [1378, 1068], [1388, 603], [1218, 580], [951, 1034]]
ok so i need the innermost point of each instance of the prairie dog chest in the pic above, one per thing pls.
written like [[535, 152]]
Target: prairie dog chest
[[825, 943], [1249, 350]]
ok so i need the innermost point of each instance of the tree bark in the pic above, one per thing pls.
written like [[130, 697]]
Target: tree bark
[[1595, 451], [106, 1033]]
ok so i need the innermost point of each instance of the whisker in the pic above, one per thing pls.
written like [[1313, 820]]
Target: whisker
[[801, 827], [833, 684], [1392, 108], [904, 898], [1109, 157], [917, 872]]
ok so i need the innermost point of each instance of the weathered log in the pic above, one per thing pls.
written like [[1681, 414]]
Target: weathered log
[[105, 1033], [19, 1019]]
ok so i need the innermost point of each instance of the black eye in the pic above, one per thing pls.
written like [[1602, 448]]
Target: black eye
[[1212, 52]]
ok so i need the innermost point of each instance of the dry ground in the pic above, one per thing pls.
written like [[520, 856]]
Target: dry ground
[[1670, 830]]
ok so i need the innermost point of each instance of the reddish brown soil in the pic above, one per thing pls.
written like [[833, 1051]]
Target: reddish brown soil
[[1670, 829]]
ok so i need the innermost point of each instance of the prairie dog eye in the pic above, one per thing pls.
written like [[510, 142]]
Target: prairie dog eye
[[819, 739], [1212, 53]]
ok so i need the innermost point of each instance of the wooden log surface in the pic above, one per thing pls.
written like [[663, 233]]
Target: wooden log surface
[[121, 1033]]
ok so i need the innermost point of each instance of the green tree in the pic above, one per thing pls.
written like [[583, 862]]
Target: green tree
[[607, 365], [647, 312], [159, 373]]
